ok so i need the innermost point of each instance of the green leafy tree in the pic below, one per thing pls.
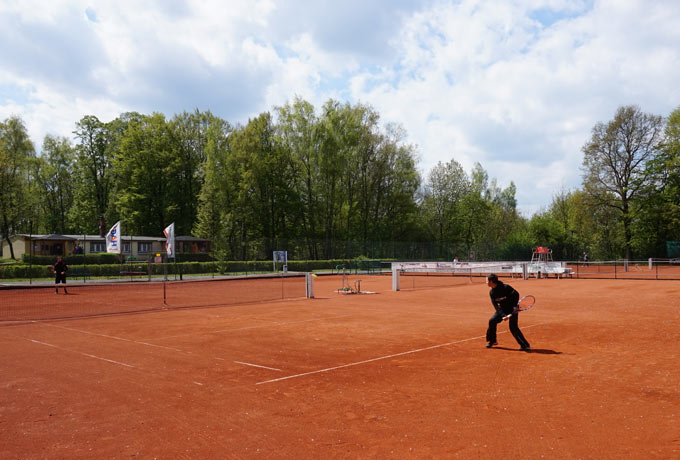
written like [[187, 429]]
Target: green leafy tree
[[264, 199], [17, 203], [670, 166], [446, 186], [615, 163], [397, 202], [567, 237], [546, 230], [190, 131], [298, 133], [474, 210], [54, 172], [667, 173], [336, 130], [502, 218], [93, 178], [215, 198], [659, 219], [148, 160]]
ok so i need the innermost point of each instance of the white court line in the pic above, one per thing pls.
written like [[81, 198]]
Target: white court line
[[84, 354], [117, 338], [257, 365], [153, 345], [380, 358]]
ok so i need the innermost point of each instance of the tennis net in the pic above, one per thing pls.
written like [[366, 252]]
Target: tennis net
[[40, 302], [429, 275]]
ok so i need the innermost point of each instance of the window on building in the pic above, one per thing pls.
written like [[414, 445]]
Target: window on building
[[143, 247], [96, 246], [126, 248]]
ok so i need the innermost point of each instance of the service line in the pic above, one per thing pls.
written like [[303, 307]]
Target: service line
[[257, 365], [122, 339], [83, 354], [380, 358]]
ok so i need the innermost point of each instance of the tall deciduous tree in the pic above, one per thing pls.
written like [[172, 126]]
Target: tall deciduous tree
[[397, 206], [446, 186], [298, 131], [615, 163], [474, 210], [264, 178], [149, 162], [669, 175], [191, 134], [54, 177], [93, 177], [16, 156], [216, 193]]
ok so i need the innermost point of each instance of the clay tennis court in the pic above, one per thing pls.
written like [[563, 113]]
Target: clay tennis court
[[399, 375]]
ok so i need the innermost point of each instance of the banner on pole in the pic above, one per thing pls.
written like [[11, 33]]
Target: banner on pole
[[113, 244], [169, 233]]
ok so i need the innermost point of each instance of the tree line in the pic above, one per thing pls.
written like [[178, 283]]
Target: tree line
[[334, 182]]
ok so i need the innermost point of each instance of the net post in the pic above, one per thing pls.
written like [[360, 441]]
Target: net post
[[309, 285], [525, 271], [165, 279], [395, 279]]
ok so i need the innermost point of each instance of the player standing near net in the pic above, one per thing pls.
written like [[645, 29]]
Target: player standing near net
[[59, 269], [504, 299]]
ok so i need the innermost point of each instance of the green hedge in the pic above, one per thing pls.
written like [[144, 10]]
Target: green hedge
[[11, 271], [105, 258], [74, 259], [190, 257], [112, 270]]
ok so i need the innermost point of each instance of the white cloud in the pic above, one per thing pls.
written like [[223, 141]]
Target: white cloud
[[514, 85], [485, 82]]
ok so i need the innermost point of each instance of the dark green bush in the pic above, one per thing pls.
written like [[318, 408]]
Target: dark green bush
[[112, 268], [73, 259]]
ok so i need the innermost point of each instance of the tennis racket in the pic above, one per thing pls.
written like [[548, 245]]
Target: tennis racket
[[524, 304]]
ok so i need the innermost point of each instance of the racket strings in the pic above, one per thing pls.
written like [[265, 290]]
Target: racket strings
[[526, 302]]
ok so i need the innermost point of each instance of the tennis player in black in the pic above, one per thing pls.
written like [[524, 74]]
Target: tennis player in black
[[504, 300], [60, 270]]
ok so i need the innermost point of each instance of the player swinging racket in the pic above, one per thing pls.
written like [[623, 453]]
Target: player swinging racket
[[504, 300]]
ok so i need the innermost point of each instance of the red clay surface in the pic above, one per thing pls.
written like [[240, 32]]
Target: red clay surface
[[398, 375]]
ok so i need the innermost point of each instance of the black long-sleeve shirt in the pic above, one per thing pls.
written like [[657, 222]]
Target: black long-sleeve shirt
[[504, 298], [60, 267]]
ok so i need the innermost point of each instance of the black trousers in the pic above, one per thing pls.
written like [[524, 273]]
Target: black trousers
[[514, 328]]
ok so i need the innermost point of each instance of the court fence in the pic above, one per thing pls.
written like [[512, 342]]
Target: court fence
[[650, 269], [414, 275]]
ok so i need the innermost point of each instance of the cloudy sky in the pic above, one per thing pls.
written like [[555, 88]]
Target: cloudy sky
[[515, 85]]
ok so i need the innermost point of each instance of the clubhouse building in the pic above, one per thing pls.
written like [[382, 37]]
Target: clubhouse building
[[139, 247]]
